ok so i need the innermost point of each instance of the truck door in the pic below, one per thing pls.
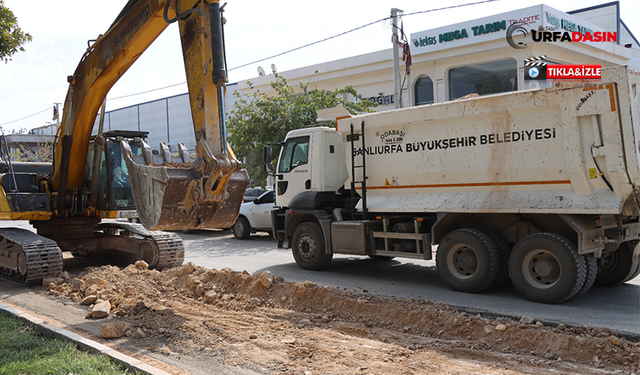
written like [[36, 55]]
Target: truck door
[[294, 171]]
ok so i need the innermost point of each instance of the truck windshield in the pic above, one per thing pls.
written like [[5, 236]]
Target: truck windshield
[[294, 153]]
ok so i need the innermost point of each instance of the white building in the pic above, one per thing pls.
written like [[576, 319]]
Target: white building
[[473, 56]]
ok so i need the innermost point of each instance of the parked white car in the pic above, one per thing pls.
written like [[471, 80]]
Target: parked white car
[[254, 216]]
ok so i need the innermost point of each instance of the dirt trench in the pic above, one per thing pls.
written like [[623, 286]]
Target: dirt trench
[[268, 326]]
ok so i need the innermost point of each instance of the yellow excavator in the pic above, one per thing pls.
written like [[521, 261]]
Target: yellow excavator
[[92, 178]]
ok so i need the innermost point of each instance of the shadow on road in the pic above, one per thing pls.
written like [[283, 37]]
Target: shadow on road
[[218, 244], [365, 271]]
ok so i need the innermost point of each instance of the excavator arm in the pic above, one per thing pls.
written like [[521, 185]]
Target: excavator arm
[[182, 193]]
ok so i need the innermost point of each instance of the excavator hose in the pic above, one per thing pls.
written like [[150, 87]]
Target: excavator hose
[[179, 16], [67, 142]]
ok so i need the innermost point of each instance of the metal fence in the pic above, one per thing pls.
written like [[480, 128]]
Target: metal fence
[[167, 120]]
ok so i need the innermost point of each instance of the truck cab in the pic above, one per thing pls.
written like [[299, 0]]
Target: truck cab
[[311, 160]]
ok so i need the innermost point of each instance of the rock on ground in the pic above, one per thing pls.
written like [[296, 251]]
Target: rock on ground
[[112, 330]]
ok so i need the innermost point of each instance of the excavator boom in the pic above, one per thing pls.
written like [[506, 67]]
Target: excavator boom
[[170, 192]]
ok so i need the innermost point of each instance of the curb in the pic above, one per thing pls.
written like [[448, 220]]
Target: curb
[[52, 331]]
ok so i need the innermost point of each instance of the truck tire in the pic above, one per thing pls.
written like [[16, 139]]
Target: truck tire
[[618, 267], [546, 267], [308, 247], [634, 274], [241, 228], [592, 273], [468, 260], [505, 251]]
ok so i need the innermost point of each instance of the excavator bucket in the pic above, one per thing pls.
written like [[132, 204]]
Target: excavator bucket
[[175, 194]]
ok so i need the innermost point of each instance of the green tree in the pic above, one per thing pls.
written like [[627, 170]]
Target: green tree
[[11, 36], [259, 119]]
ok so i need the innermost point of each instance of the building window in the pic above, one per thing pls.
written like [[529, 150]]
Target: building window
[[483, 79], [423, 91]]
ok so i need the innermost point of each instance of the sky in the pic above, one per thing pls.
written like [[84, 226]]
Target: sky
[[36, 79]]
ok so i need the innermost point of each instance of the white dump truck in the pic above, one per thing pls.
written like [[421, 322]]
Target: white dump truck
[[540, 187]]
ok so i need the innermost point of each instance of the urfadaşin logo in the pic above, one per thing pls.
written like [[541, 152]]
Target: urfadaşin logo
[[574, 36], [519, 31]]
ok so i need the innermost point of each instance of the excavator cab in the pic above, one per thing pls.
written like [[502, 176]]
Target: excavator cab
[[115, 196]]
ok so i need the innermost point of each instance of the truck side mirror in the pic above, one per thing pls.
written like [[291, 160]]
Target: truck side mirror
[[268, 154], [268, 168]]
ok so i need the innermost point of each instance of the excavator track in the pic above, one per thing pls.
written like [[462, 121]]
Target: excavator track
[[28, 257], [170, 246]]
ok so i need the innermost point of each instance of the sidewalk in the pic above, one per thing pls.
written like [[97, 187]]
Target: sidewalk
[[55, 331]]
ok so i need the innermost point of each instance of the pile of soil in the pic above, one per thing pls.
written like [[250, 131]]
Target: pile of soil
[[261, 323]]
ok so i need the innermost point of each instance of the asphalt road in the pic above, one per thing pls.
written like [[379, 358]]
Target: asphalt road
[[616, 308]]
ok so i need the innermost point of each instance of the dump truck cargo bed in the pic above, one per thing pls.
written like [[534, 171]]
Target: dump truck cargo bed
[[569, 149]]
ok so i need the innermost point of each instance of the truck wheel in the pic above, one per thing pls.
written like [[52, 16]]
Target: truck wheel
[[505, 251], [241, 228], [308, 247], [546, 267], [468, 260], [633, 275], [618, 266], [592, 273]]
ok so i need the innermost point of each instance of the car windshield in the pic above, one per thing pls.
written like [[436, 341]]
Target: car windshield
[[253, 192]]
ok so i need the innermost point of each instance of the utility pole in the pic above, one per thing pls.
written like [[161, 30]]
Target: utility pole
[[397, 90], [57, 115]]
